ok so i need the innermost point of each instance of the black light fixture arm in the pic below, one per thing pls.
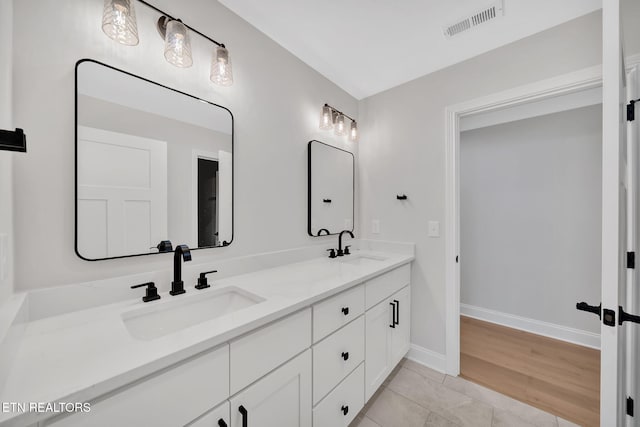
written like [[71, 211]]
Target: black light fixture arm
[[340, 112], [176, 19]]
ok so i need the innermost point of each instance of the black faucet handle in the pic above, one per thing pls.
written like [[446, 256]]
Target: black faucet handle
[[202, 280], [346, 250], [332, 253], [164, 246], [151, 293]]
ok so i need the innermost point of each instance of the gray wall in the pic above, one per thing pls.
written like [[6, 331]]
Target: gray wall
[[530, 218], [6, 158], [276, 101], [402, 149]]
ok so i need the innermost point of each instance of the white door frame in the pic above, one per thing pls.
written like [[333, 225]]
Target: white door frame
[[587, 78]]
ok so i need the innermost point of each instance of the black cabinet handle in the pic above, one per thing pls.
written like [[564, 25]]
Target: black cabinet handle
[[344, 409], [221, 423], [396, 312], [243, 411], [345, 311], [393, 317], [345, 355]]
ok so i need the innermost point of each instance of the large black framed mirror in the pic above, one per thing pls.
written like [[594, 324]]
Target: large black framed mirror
[[331, 187], [153, 165]]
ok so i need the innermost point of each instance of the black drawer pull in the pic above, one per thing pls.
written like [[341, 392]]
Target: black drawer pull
[[244, 413], [221, 423], [396, 320], [344, 409], [393, 316], [345, 355], [345, 311]]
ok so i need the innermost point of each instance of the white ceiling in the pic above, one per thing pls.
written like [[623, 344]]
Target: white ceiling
[[367, 46]]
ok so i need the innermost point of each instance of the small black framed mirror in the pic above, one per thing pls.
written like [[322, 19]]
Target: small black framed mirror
[[331, 188]]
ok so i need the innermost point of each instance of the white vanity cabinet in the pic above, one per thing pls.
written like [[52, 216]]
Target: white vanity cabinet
[[280, 399], [316, 367], [171, 397], [387, 338]]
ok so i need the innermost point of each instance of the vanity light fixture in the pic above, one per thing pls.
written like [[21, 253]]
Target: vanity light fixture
[[330, 118], [119, 23]]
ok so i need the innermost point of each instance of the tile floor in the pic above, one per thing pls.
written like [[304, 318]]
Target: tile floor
[[416, 396]]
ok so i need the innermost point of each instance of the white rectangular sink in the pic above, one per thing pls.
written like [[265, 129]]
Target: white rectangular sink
[[361, 259], [157, 320]]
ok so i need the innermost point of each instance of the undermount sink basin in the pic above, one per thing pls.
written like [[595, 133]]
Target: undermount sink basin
[[155, 321], [361, 259]]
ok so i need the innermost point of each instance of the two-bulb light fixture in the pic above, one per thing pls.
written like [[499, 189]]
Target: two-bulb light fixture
[[330, 118], [119, 23]]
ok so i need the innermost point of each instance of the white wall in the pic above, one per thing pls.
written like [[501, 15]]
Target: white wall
[[276, 101], [402, 149], [6, 162], [530, 216]]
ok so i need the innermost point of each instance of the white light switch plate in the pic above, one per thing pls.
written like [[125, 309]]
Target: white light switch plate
[[375, 226], [434, 228]]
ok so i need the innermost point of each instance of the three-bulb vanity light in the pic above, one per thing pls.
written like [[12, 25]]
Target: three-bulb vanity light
[[119, 23], [330, 118]]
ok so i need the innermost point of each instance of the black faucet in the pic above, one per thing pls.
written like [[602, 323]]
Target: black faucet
[[177, 286], [341, 252]]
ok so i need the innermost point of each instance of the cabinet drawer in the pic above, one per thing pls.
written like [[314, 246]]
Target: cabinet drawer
[[347, 397], [258, 353], [383, 286], [171, 398], [335, 312], [329, 364], [218, 417]]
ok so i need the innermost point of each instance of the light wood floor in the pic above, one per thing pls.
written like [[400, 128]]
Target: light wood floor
[[555, 376]]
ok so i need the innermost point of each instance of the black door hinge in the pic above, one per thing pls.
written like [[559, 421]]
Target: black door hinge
[[631, 260], [631, 110], [630, 406]]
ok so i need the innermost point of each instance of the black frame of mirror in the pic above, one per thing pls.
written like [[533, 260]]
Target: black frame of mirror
[[353, 181], [233, 160]]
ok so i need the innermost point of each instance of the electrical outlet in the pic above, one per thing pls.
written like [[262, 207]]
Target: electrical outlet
[[434, 228], [375, 226]]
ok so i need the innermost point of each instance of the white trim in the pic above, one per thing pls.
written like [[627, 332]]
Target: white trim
[[426, 357], [587, 78], [538, 327]]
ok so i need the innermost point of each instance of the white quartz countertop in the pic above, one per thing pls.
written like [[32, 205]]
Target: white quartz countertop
[[78, 356]]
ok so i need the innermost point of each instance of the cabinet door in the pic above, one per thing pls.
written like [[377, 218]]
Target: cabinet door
[[280, 399], [400, 335], [378, 321]]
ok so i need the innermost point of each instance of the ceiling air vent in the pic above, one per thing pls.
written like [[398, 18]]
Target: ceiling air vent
[[487, 14]]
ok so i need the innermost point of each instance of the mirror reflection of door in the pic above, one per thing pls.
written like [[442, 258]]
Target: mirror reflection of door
[[207, 202]]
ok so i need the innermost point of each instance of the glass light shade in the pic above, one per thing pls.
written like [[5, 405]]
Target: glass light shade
[[221, 71], [177, 46], [119, 21], [353, 132], [326, 118], [340, 128]]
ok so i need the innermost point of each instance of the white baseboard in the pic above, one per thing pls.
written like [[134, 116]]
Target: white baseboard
[[551, 330], [428, 358]]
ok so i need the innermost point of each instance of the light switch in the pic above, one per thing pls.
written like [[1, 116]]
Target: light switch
[[434, 228], [375, 226]]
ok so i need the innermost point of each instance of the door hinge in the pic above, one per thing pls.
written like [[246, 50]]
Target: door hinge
[[631, 260], [631, 110], [630, 406]]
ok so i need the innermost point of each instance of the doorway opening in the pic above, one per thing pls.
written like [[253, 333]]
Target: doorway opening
[[510, 329], [207, 202]]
